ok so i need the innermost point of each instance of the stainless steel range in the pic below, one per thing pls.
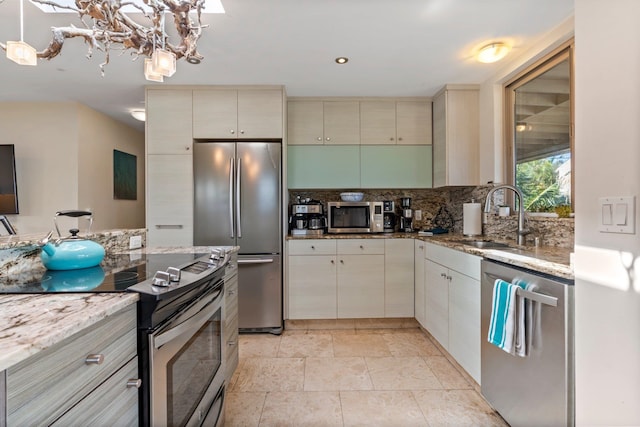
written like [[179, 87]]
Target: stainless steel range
[[180, 344]]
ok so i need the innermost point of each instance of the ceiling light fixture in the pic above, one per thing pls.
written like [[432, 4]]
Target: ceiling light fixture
[[21, 52], [139, 115], [106, 24], [521, 127], [342, 60], [493, 52]]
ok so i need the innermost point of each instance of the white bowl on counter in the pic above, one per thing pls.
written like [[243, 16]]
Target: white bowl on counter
[[351, 197]]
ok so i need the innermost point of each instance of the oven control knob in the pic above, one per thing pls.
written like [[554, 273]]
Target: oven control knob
[[174, 274], [161, 279]]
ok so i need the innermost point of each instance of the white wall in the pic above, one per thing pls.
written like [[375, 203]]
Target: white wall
[[99, 135], [491, 94], [607, 90], [64, 154]]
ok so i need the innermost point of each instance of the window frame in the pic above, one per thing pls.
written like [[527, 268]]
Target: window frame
[[562, 53]]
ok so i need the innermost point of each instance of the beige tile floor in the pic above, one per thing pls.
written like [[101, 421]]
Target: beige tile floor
[[357, 377]]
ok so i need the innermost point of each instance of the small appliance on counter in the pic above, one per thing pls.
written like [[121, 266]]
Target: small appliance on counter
[[389, 216], [307, 218], [406, 219]]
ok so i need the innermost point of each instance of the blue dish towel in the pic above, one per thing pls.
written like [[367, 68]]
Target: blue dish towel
[[503, 327]]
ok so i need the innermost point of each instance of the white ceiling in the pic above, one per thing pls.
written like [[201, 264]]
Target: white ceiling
[[396, 48]]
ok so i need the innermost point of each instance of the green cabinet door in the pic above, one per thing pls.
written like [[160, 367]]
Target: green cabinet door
[[323, 166], [396, 166]]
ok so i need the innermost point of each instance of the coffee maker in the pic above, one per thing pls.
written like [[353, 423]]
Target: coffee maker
[[406, 219], [307, 218], [389, 216]]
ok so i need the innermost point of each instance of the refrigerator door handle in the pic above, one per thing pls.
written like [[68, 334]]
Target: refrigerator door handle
[[255, 261], [231, 168], [238, 194]]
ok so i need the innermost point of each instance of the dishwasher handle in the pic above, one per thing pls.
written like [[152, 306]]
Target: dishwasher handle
[[533, 296]]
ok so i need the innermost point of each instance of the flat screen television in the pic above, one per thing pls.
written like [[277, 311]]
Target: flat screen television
[[8, 182]]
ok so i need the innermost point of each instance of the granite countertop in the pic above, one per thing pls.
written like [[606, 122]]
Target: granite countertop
[[33, 322], [545, 259]]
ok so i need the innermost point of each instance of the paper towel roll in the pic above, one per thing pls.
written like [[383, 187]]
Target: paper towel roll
[[471, 219]]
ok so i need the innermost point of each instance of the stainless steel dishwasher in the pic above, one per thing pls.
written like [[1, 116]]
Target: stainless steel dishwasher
[[536, 390]]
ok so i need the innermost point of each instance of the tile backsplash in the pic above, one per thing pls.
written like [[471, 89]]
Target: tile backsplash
[[552, 231]]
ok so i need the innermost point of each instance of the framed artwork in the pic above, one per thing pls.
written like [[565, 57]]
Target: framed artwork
[[125, 184]]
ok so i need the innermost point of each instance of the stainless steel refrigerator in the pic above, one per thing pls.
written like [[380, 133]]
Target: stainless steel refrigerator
[[237, 191]]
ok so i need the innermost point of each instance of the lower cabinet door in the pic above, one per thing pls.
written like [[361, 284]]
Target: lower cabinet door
[[437, 302], [360, 286], [464, 322], [312, 287], [113, 403]]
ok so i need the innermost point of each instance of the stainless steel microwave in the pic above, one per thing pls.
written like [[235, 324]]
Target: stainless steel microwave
[[355, 217]]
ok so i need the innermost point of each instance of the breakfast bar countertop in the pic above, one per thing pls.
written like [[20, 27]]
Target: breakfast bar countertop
[[34, 322]]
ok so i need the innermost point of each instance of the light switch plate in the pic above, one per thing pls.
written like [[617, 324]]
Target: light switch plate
[[617, 214], [135, 242]]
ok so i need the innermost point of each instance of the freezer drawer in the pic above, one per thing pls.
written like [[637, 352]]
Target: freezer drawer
[[260, 293]]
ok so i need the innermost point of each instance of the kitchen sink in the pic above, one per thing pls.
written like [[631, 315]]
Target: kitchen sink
[[484, 244]]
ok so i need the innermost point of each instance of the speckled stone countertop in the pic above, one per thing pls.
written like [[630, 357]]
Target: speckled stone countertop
[[30, 323], [545, 259]]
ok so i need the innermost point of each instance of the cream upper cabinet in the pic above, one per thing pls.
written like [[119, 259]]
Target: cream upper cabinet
[[395, 122], [413, 122], [237, 113], [377, 122], [456, 136], [168, 124], [312, 122]]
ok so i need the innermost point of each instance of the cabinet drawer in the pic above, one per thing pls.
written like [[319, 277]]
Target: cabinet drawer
[[112, 404], [312, 247], [231, 346], [461, 262], [361, 247], [46, 385]]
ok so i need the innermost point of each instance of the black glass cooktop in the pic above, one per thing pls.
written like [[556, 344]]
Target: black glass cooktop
[[115, 274]]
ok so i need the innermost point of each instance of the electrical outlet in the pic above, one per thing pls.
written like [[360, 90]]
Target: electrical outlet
[[135, 242]]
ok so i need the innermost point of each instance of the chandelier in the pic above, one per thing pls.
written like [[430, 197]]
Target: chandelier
[[105, 25]]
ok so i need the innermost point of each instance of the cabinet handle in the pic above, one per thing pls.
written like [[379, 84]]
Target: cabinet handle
[[443, 275], [421, 247], [449, 278], [361, 247], [134, 382], [94, 359], [399, 139], [242, 132], [231, 293], [313, 247], [391, 139], [232, 131], [187, 148], [231, 343], [341, 261], [332, 262], [328, 139], [319, 138]]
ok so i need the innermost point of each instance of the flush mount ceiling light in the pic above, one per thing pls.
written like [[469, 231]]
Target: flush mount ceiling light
[[493, 52], [20, 52], [342, 60], [106, 24], [139, 115], [521, 127]]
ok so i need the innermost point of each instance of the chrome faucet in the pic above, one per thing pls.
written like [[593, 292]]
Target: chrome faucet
[[522, 232]]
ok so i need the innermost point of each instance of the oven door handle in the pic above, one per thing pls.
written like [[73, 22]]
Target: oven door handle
[[191, 320]]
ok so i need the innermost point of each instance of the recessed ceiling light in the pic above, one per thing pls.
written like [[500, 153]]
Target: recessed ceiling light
[[342, 60], [493, 52]]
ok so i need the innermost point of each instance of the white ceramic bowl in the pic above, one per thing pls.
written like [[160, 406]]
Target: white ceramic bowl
[[351, 197]]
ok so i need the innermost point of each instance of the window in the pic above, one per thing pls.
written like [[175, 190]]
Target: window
[[539, 132]]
